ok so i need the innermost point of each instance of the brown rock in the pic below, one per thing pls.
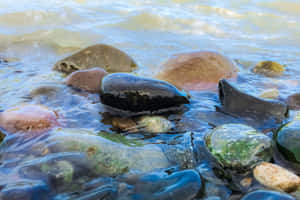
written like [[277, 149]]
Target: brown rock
[[89, 80], [28, 118], [197, 71], [276, 177], [293, 101]]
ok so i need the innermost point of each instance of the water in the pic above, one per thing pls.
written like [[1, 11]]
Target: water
[[34, 35]]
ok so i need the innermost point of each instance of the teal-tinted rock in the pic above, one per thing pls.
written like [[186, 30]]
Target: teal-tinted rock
[[238, 146], [288, 141]]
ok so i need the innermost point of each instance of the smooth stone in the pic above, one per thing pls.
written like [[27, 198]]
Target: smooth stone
[[276, 177], [293, 101], [183, 185], [124, 124], [288, 141], [198, 70], [154, 124], [133, 93], [268, 68], [107, 57], [89, 80], [237, 102], [268, 195], [270, 94], [28, 118], [238, 147]]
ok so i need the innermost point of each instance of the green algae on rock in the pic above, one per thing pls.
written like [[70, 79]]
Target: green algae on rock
[[288, 141], [100, 55], [237, 146], [268, 68]]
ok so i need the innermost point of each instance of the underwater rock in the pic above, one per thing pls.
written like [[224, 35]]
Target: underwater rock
[[276, 177], [89, 80], [236, 102], [293, 101], [198, 70], [268, 68], [2, 136], [132, 93], [183, 185], [154, 124], [28, 118], [270, 94], [239, 147], [266, 194], [288, 141], [124, 124], [100, 55]]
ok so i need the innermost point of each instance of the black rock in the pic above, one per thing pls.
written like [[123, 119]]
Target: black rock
[[269, 195], [132, 93]]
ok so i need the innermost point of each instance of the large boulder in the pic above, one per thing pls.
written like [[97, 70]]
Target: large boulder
[[100, 55], [197, 71]]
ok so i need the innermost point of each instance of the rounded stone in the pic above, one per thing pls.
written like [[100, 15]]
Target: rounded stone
[[266, 194], [238, 146], [276, 177], [154, 124], [288, 141], [268, 68], [89, 80], [133, 93], [28, 118], [198, 70]]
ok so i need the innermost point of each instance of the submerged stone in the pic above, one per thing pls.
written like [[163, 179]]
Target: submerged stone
[[288, 141], [237, 102], [270, 94], [89, 80], [276, 177], [28, 118], [239, 147], [198, 70], [154, 124], [293, 101], [267, 194], [268, 68], [132, 93], [2, 136], [100, 55]]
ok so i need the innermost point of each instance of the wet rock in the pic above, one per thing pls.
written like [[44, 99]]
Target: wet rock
[[268, 68], [293, 101], [266, 194], [270, 94], [2, 136], [288, 141], [89, 80], [124, 124], [107, 57], [132, 93], [276, 177], [239, 103], [183, 185], [154, 124], [239, 147], [28, 118], [197, 71]]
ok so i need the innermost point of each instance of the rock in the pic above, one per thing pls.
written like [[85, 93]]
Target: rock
[[268, 68], [288, 141], [270, 94], [293, 101], [265, 194], [154, 124], [2, 136], [28, 118], [107, 57], [197, 71], [124, 124], [132, 93], [239, 147], [276, 177], [236, 102], [89, 80]]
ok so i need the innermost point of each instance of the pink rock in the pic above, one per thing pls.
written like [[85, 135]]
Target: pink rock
[[28, 118], [89, 80], [198, 70]]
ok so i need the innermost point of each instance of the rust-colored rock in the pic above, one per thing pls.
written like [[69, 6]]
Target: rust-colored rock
[[197, 71], [89, 80], [276, 177], [28, 118]]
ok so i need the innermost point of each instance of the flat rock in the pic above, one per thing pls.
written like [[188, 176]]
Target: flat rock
[[198, 70]]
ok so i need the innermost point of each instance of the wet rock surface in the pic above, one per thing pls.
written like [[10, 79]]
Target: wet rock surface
[[293, 101], [197, 71], [101, 55], [266, 194], [89, 80], [132, 93], [269, 68]]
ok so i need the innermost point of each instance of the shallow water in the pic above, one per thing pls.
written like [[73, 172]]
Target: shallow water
[[34, 35]]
